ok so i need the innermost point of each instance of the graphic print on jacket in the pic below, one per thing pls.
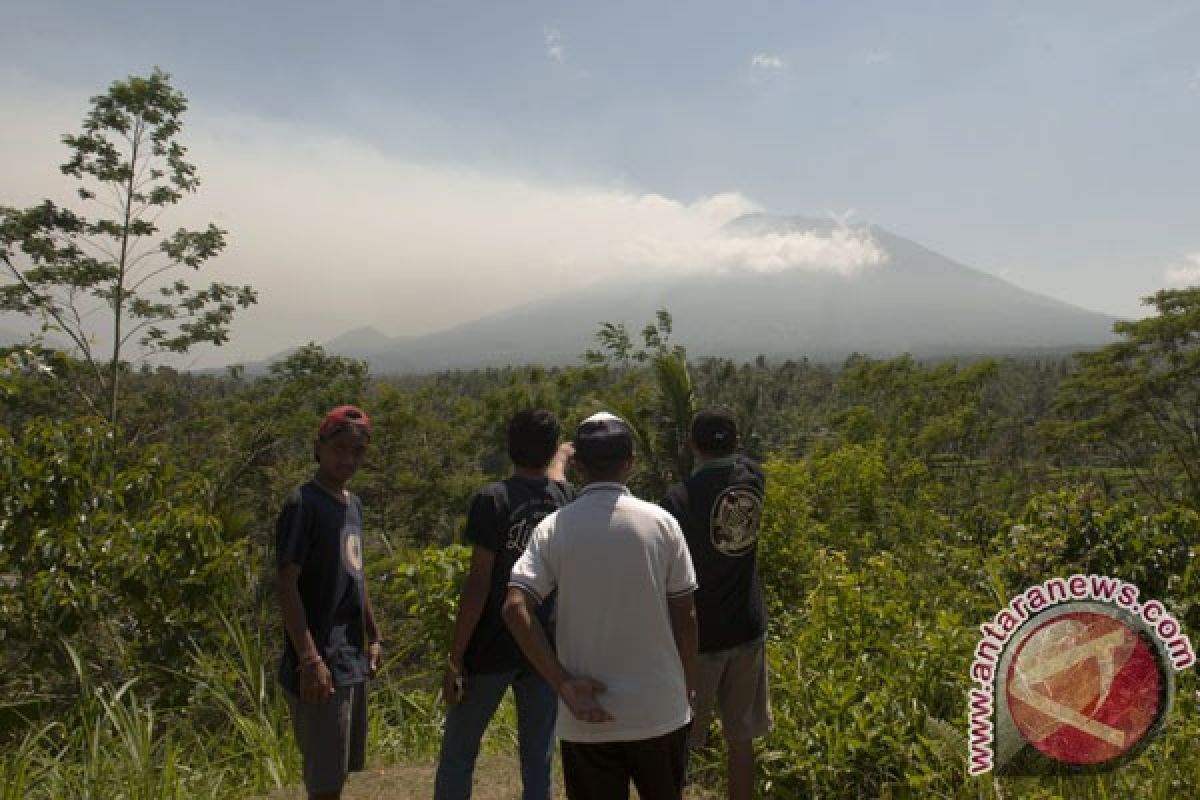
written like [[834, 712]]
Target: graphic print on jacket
[[502, 518], [735, 516]]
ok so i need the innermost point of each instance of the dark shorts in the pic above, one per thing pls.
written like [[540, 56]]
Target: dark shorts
[[603, 770], [332, 736]]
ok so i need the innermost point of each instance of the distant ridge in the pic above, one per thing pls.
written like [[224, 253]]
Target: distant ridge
[[361, 340], [917, 301]]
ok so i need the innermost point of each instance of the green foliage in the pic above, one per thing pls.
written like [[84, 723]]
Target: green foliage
[[111, 742], [938, 409], [117, 545], [904, 502], [423, 468], [1077, 530], [233, 689], [873, 626], [658, 406], [426, 588], [858, 638], [130, 167], [860, 651], [1137, 401]]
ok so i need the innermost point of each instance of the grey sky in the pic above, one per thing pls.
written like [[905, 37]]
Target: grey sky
[[450, 158]]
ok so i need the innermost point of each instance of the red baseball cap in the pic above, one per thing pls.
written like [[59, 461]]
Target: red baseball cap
[[344, 417]]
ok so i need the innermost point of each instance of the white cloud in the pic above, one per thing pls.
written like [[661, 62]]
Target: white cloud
[[337, 235], [554, 45], [1186, 273], [876, 57], [766, 61], [686, 242]]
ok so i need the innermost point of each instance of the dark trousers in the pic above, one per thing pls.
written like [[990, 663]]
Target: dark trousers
[[602, 770]]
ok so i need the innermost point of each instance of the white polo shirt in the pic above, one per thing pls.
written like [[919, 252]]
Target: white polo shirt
[[615, 560]]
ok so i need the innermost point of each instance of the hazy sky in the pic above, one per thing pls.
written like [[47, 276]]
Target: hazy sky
[[411, 165]]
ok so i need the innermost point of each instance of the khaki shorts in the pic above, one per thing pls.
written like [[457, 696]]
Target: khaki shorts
[[331, 736], [734, 680]]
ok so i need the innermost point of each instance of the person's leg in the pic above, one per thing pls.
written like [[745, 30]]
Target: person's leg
[[537, 708], [658, 765], [743, 697], [466, 722], [708, 677], [595, 771], [356, 750], [323, 736], [709, 668], [739, 766]]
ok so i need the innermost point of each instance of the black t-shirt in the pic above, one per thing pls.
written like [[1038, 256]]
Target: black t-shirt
[[719, 508], [324, 536], [502, 518]]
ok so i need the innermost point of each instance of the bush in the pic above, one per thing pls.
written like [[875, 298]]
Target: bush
[[113, 547], [1078, 530]]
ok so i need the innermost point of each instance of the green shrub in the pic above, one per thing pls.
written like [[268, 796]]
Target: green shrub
[[114, 546]]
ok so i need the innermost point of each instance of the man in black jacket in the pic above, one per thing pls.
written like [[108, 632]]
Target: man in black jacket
[[719, 507], [484, 661]]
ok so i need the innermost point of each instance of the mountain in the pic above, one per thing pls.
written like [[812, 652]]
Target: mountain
[[914, 301], [365, 342]]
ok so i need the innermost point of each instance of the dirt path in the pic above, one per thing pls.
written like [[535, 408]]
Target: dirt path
[[496, 778]]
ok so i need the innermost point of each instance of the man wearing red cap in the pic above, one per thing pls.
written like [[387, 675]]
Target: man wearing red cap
[[333, 644]]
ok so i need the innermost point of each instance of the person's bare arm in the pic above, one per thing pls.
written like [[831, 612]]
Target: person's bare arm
[[578, 693], [683, 625], [557, 471], [316, 682], [374, 638], [470, 609]]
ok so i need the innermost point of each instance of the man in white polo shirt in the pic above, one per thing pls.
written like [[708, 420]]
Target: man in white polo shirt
[[626, 627]]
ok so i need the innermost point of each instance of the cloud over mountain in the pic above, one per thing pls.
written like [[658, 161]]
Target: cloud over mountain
[[844, 251], [913, 300]]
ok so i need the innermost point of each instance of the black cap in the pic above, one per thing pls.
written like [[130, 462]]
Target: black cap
[[714, 430], [603, 438]]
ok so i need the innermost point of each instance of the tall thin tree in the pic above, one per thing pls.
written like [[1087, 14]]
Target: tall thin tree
[[65, 266]]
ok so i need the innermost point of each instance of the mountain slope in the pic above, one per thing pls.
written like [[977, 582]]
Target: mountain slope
[[916, 301]]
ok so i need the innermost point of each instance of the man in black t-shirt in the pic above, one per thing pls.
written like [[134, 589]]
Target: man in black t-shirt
[[484, 661], [332, 644], [719, 507]]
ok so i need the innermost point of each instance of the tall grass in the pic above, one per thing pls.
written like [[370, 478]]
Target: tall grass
[[231, 740], [21, 768], [110, 745], [236, 686]]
